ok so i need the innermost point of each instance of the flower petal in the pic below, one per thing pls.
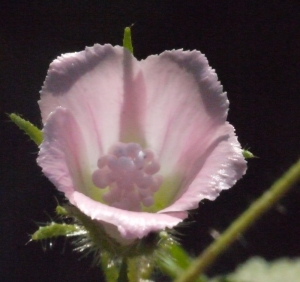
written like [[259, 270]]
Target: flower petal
[[63, 156], [95, 85], [62, 159], [131, 225], [217, 169], [186, 119], [171, 104], [184, 100]]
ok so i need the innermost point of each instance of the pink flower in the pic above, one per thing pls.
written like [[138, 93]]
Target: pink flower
[[136, 144]]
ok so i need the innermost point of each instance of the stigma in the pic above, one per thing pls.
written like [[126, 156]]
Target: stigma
[[130, 174]]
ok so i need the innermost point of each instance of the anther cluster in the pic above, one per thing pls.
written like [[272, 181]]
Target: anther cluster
[[129, 173]]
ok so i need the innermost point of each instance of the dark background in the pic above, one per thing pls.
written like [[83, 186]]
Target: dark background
[[254, 47]]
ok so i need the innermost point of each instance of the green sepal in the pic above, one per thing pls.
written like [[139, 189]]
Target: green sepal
[[108, 253], [60, 210], [98, 238], [32, 131], [173, 260], [134, 262], [248, 155], [127, 41], [137, 259], [54, 229]]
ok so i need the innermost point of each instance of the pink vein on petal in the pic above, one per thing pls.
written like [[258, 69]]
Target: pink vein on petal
[[186, 121], [90, 85]]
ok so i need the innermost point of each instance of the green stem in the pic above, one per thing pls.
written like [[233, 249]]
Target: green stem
[[139, 268], [242, 223], [123, 272]]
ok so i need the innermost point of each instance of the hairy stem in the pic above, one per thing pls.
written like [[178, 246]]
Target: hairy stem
[[242, 223]]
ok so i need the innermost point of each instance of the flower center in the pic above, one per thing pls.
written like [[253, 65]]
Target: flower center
[[129, 173]]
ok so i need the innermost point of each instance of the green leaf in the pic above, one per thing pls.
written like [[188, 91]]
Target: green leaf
[[55, 230], [127, 42], [257, 269], [32, 131]]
